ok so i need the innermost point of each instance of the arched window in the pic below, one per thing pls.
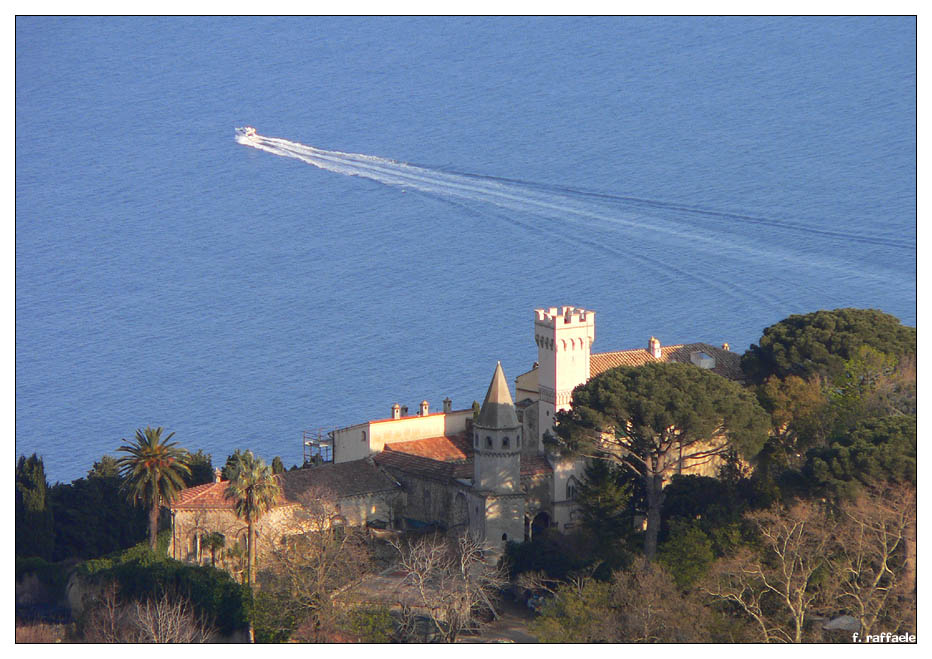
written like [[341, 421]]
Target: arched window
[[363, 435], [572, 487], [488, 442], [504, 442]]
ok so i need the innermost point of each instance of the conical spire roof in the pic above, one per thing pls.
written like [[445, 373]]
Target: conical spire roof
[[498, 410]]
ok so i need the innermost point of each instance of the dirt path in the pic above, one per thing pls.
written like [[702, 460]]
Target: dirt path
[[510, 627]]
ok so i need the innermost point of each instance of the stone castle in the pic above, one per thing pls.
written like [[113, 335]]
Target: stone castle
[[490, 475]]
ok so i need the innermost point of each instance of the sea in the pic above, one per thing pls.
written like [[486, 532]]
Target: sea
[[417, 187]]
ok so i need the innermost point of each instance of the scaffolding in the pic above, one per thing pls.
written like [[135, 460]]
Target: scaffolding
[[318, 446]]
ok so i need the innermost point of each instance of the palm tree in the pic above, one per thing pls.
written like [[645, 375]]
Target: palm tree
[[214, 542], [253, 489], [153, 472]]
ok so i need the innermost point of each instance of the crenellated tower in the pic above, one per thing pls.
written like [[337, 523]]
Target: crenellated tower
[[564, 339]]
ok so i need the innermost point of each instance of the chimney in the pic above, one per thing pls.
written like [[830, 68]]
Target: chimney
[[218, 475], [725, 346], [447, 405], [653, 347], [425, 408], [396, 411]]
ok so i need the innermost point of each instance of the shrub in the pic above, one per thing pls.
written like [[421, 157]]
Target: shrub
[[369, 624], [143, 574]]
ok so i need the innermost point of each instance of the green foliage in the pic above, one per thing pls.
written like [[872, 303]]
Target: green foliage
[[202, 469], [228, 472], [660, 405], [882, 449], [800, 411], [92, 518], [604, 498], [278, 467], [142, 572], [369, 624], [476, 409], [253, 487], [213, 542], [34, 520], [687, 553], [53, 576], [253, 490], [576, 614], [274, 616], [655, 417], [712, 506], [106, 467], [819, 343], [555, 554], [871, 384], [153, 472], [701, 497]]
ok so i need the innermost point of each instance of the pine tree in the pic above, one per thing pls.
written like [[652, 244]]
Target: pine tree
[[35, 533]]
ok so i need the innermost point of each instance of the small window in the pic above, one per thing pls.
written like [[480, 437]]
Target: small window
[[504, 537], [364, 435], [504, 442], [488, 442], [571, 488]]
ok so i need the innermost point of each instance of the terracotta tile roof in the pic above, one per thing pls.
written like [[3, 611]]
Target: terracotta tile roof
[[535, 465], [210, 496], [446, 449], [344, 479], [727, 363], [415, 464], [443, 470]]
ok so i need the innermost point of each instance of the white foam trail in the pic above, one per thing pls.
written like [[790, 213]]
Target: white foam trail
[[562, 205]]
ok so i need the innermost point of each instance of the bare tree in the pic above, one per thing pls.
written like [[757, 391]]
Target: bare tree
[[776, 586], [639, 605], [166, 619], [453, 578], [311, 567], [873, 557], [650, 609], [106, 620]]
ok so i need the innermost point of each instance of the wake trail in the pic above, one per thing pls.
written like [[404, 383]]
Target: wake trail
[[700, 210], [557, 203]]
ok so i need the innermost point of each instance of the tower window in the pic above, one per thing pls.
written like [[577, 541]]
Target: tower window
[[571, 488], [504, 442], [488, 442]]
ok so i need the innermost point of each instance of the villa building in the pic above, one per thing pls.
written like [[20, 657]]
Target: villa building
[[491, 475]]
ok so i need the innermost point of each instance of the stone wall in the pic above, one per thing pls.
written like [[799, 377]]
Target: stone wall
[[189, 527]]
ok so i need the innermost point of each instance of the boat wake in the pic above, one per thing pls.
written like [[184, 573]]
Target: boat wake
[[647, 231]]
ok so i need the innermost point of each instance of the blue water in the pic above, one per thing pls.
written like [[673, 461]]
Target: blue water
[[695, 179]]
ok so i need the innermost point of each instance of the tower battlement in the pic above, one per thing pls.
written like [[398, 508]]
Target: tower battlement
[[564, 317]]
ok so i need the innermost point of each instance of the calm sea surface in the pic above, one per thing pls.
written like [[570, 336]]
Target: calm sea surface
[[691, 179]]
